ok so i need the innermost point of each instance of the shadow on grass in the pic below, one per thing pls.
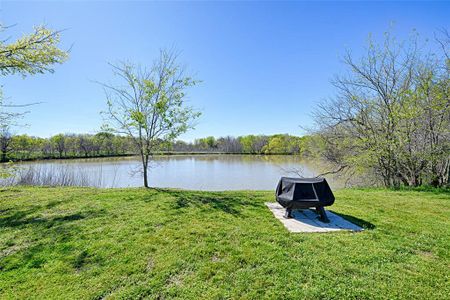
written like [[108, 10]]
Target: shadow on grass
[[46, 234], [229, 204], [22, 218], [357, 221]]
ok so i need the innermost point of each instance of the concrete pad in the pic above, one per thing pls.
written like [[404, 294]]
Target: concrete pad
[[306, 221]]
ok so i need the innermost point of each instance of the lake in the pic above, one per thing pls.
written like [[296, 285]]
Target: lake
[[194, 172]]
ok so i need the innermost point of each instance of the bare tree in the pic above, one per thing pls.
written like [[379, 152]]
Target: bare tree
[[391, 115], [5, 143], [150, 105], [8, 119]]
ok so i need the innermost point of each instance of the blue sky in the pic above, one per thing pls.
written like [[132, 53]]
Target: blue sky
[[264, 65]]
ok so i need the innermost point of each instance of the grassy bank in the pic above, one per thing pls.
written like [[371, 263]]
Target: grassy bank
[[99, 243]]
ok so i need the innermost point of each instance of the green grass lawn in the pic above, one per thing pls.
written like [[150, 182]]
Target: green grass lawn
[[91, 243]]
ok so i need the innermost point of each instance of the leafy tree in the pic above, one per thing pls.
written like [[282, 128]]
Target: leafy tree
[[150, 106], [86, 144], [22, 145], [59, 142], [105, 141], [32, 53], [210, 142], [207, 143], [246, 142], [282, 144], [253, 143]]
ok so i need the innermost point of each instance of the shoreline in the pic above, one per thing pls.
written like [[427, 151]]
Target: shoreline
[[132, 155]]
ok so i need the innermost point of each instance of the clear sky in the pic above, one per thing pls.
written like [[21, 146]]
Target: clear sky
[[264, 65]]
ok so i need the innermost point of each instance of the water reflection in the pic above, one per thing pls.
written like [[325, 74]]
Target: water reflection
[[197, 172]]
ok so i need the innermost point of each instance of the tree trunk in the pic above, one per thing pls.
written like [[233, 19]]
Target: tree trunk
[[145, 171], [145, 176]]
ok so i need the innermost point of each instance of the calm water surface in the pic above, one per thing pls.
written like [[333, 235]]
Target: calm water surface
[[194, 172]]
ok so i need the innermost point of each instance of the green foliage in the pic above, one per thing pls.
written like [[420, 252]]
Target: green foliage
[[24, 147], [279, 144], [106, 143], [32, 53], [207, 143], [391, 115], [247, 143], [157, 112], [161, 244], [150, 105], [59, 143]]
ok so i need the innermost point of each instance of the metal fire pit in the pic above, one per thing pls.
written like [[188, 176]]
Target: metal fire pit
[[302, 193]]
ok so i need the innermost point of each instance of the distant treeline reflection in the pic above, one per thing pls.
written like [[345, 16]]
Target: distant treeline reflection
[[104, 144]]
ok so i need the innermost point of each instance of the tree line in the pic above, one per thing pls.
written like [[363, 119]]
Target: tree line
[[389, 118], [25, 147], [248, 144]]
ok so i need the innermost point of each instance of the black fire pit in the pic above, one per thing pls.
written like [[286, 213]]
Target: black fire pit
[[301, 193]]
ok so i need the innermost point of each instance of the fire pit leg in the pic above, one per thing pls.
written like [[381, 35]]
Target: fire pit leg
[[288, 213], [322, 214]]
